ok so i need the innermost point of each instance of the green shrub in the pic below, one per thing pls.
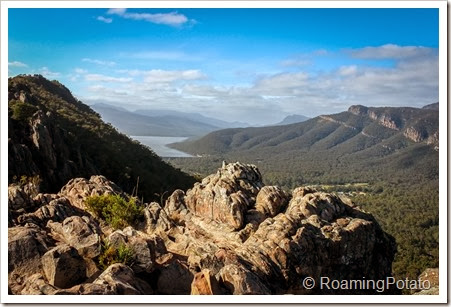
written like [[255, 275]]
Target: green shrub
[[22, 111], [115, 210], [111, 254]]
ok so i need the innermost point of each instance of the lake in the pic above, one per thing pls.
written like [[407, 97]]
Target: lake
[[158, 145]]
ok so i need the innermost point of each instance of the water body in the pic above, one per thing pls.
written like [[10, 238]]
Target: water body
[[158, 145]]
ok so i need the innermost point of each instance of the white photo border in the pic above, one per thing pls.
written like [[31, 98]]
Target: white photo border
[[274, 299]]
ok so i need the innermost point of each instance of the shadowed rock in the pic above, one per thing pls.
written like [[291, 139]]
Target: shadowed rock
[[63, 266]]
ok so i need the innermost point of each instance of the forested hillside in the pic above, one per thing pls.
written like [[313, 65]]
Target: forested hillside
[[53, 137]]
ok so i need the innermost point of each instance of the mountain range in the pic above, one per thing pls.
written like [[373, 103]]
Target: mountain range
[[292, 119], [149, 122], [360, 128], [329, 146]]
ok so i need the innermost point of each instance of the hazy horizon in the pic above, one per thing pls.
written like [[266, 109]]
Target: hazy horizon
[[250, 65]]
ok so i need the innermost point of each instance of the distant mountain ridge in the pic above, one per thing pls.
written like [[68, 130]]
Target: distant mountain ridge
[[432, 106], [160, 122], [327, 131], [329, 148], [192, 116], [293, 119]]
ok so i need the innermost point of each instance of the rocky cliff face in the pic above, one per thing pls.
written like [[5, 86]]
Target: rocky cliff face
[[229, 234], [383, 119], [42, 148], [418, 125]]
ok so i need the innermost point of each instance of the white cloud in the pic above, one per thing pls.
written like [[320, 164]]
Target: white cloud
[[304, 59], [164, 76], [105, 91], [98, 62], [104, 19], [295, 63], [170, 19], [281, 84], [17, 64], [411, 81], [103, 78], [391, 51], [347, 70], [80, 71], [45, 71], [117, 11], [205, 90]]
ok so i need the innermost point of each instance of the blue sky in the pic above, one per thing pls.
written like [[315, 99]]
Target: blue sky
[[254, 65]]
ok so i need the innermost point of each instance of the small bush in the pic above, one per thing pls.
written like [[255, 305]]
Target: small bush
[[111, 254], [115, 210], [22, 111]]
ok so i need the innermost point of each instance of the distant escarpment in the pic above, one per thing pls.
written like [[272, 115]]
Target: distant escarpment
[[418, 125], [53, 137], [361, 128], [365, 144], [229, 234]]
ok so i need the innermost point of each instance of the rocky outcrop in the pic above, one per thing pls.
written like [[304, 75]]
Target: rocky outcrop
[[63, 266], [20, 160], [418, 125], [204, 284], [148, 250], [35, 284], [20, 197], [57, 210], [377, 115], [226, 195], [77, 190], [385, 120], [175, 278], [433, 140], [315, 234], [42, 150], [41, 138], [358, 110], [229, 234], [26, 245], [122, 280], [82, 233], [414, 135], [271, 200]]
